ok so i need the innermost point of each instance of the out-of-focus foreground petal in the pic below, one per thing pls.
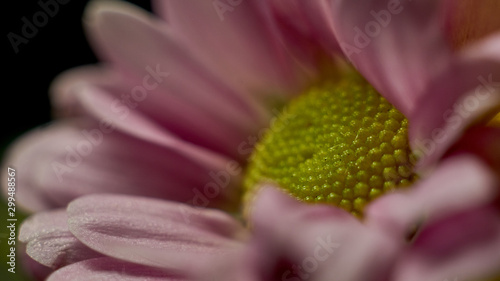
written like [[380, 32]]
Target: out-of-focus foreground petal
[[324, 242], [464, 94], [458, 184], [463, 246]]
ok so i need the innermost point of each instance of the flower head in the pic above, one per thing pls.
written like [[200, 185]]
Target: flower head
[[179, 104]]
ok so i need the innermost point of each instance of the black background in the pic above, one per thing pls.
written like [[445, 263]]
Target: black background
[[57, 46]]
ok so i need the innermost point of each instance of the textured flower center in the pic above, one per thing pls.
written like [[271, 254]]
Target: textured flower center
[[340, 143]]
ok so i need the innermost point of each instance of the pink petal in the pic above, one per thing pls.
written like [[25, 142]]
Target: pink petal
[[341, 246], [98, 103], [62, 89], [113, 26], [273, 211], [306, 28], [464, 246], [459, 183], [238, 40], [152, 232], [49, 241], [111, 269], [82, 87], [396, 45], [239, 265], [176, 78], [309, 19], [74, 158], [457, 99]]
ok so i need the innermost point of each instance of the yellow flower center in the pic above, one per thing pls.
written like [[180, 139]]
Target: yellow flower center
[[339, 143]]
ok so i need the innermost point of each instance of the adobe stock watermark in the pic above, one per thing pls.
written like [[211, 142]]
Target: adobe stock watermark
[[224, 6], [365, 34], [455, 117], [121, 107], [322, 251], [30, 27]]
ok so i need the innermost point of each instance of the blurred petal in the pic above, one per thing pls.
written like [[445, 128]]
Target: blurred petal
[[62, 89], [464, 246], [395, 45], [468, 21], [152, 232], [81, 87], [459, 183], [461, 96], [73, 158], [111, 269], [307, 30], [174, 73], [289, 230], [98, 104], [113, 25], [319, 22], [239, 265], [49, 241], [237, 39]]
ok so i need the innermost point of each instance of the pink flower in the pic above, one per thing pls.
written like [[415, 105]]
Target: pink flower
[[177, 101]]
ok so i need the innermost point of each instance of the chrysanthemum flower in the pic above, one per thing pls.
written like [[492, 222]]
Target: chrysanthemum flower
[[393, 163]]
